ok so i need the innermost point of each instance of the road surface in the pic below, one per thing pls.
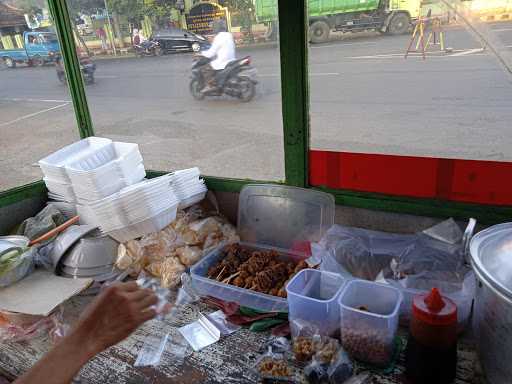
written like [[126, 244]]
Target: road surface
[[365, 97]]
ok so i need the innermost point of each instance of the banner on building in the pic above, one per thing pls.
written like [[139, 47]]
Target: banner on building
[[201, 17]]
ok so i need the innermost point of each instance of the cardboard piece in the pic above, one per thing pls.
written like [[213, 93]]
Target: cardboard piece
[[40, 293]]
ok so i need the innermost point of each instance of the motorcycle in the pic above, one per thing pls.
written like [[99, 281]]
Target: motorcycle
[[87, 68], [148, 48], [238, 79]]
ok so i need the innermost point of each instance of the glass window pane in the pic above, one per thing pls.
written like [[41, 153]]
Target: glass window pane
[[145, 89], [453, 102], [36, 112]]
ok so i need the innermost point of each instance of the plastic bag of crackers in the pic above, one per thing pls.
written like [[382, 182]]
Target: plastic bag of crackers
[[167, 253]]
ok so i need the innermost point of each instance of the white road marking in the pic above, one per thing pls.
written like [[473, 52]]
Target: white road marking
[[437, 54], [311, 74], [37, 100], [32, 115], [468, 52], [342, 45], [502, 30]]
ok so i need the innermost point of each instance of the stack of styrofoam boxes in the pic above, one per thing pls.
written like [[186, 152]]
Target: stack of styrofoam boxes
[[91, 169], [103, 180], [137, 210], [188, 187]]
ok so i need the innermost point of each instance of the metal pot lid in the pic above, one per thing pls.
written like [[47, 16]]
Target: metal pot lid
[[491, 253]]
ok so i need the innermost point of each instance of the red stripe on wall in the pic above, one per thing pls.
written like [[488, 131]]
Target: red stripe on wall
[[482, 182]]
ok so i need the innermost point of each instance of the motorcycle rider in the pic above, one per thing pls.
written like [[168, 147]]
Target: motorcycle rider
[[222, 51]]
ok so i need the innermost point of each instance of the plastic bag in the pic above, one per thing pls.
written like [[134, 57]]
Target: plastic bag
[[356, 252], [341, 368], [46, 220], [274, 367], [18, 327], [153, 347], [15, 265], [162, 294], [329, 364], [151, 351]]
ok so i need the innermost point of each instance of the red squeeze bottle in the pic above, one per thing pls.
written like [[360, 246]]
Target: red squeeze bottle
[[431, 354]]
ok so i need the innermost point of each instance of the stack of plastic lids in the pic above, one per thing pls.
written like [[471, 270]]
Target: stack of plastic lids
[[91, 169], [137, 210], [188, 187]]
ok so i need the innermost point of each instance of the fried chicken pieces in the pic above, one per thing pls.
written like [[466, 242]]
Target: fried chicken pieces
[[260, 271]]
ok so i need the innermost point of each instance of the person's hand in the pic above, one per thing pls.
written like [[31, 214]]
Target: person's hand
[[114, 315], [110, 318]]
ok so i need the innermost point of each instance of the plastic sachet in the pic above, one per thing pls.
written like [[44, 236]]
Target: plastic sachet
[[151, 351], [18, 327], [153, 347], [274, 367], [162, 294]]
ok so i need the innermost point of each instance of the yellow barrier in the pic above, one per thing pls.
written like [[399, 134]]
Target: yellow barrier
[[19, 41], [7, 42]]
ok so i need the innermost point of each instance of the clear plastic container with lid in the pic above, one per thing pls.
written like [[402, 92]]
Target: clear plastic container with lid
[[277, 217], [313, 297], [369, 320]]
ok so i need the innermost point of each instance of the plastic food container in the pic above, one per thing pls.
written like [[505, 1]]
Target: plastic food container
[[269, 217], [369, 320], [245, 297], [313, 297], [53, 166]]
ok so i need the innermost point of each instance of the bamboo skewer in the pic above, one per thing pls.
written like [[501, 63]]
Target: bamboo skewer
[[228, 279]]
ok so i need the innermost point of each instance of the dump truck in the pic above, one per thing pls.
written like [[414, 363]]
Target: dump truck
[[390, 16]]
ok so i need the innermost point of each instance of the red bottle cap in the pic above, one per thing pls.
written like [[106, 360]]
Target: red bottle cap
[[434, 309]]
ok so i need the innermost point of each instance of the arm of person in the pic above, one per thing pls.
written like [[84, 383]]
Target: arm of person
[[212, 51], [111, 317]]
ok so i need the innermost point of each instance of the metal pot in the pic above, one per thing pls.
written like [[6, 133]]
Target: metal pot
[[491, 256]]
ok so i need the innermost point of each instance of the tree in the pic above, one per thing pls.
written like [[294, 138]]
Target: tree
[[245, 9], [30, 7], [85, 6]]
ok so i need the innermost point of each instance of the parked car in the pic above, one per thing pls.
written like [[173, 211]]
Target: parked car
[[39, 48], [179, 40]]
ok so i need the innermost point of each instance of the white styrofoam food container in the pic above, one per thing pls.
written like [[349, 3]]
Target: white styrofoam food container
[[53, 166], [313, 297], [369, 320], [96, 169], [145, 227]]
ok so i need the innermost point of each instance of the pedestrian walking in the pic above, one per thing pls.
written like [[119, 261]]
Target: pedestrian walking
[[102, 35]]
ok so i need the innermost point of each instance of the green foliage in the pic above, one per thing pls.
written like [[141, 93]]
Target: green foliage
[[29, 6], [243, 6], [85, 6]]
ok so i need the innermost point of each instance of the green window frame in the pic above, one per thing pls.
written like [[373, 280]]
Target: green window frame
[[293, 22]]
